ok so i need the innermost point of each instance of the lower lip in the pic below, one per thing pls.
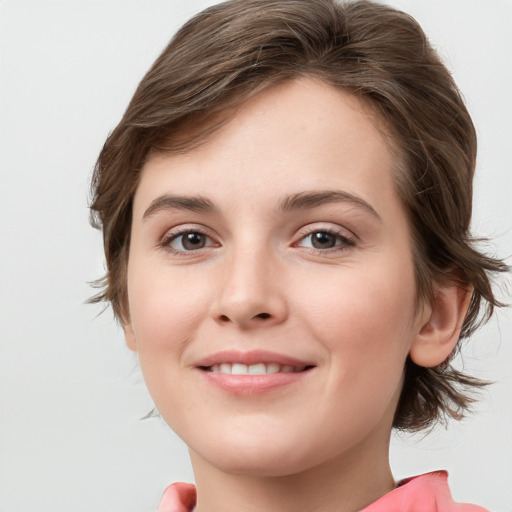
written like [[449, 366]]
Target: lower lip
[[251, 385]]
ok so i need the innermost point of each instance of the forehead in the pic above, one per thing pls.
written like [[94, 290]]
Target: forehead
[[294, 136]]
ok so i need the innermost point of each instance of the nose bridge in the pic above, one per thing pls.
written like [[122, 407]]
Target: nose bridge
[[250, 289]]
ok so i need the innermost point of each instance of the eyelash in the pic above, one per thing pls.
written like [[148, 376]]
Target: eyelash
[[171, 237], [345, 241]]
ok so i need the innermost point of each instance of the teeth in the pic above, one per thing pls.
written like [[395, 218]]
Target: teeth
[[257, 369], [273, 368], [239, 369], [254, 369]]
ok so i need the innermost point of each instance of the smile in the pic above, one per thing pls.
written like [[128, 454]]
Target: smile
[[252, 373], [254, 369]]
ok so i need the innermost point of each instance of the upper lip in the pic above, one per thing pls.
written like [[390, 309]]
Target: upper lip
[[251, 357]]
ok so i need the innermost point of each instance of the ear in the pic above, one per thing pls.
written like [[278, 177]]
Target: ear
[[129, 337], [440, 326]]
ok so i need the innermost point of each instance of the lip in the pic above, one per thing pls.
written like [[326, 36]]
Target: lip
[[251, 357], [252, 385]]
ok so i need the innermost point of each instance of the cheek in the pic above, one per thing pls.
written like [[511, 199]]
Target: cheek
[[365, 326], [164, 308], [366, 313]]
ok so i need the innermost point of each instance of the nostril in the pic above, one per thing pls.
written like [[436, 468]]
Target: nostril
[[235, 319]]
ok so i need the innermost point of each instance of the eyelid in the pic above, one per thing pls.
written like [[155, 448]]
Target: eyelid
[[174, 233], [347, 237]]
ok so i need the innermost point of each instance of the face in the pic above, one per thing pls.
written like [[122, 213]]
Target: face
[[271, 285]]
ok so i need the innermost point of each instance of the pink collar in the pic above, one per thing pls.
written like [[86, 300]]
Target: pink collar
[[424, 493]]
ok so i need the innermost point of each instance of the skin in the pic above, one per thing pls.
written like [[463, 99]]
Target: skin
[[258, 280]]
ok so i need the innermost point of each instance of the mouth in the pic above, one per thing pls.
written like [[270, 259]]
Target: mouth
[[255, 369], [252, 373]]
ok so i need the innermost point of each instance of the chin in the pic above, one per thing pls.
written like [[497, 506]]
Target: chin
[[255, 457]]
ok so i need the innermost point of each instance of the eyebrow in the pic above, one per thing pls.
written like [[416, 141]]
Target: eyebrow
[[172, 202], [299, 201], [304, 200]]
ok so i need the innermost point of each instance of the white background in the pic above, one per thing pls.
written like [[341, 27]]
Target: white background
[[70, 393]]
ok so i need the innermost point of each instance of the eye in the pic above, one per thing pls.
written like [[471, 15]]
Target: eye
[[187, 241], [325, 239], [322, 240]]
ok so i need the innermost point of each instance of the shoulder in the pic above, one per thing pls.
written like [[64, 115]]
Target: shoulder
[[424, 493]]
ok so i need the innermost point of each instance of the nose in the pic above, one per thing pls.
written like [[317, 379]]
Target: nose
[[251, 291]]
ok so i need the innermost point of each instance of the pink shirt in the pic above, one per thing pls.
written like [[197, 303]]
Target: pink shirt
[[425, 493]]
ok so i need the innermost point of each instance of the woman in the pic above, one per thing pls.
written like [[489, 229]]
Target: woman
[[285, 208]]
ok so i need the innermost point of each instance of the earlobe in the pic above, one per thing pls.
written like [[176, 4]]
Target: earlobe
[[129, 337], [440, 331]]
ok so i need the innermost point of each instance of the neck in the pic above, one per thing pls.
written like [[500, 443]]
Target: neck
[[343, 484]]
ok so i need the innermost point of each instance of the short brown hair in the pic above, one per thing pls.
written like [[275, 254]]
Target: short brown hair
[[233, 50]]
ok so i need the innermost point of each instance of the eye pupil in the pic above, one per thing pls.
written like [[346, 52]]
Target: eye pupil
[[321, 240], [193, 241]]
